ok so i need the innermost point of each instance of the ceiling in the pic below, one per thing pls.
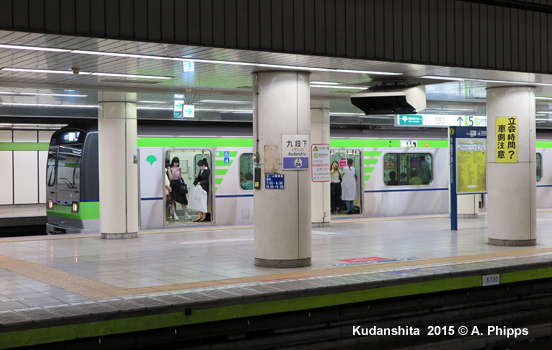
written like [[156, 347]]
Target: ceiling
[[220, 83]]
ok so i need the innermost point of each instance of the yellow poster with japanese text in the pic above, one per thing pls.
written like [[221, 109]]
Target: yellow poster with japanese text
[[471, 165], [506, 139]]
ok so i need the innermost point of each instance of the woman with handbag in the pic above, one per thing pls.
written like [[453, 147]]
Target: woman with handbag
[[175, 175], [202, 179]]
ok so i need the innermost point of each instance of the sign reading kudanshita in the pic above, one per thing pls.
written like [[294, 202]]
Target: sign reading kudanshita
[[471, 165], [295, 152]]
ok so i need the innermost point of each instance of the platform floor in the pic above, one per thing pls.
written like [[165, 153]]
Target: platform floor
[[52, 270]]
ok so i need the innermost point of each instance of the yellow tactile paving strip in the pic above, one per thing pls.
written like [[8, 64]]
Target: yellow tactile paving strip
[[95, 290]]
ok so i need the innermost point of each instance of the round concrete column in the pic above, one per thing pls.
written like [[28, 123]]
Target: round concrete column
[[320, 133], [282, 217], [117, 136], [511, 187]]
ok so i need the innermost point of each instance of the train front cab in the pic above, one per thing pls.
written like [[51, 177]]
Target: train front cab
[[72, 204]]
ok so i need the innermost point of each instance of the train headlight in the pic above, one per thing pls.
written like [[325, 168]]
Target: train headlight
[[75, 207], [50, 204]]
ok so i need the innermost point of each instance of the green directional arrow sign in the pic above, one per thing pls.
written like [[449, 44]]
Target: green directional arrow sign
[[178, 104]]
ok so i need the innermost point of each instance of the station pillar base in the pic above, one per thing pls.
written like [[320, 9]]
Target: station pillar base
[[283, 263], [119, 235], [513, 243]]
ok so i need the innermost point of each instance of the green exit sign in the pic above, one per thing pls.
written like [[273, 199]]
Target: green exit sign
[[410, 119]]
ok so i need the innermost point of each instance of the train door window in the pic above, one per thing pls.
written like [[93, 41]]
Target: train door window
[[246, 171], [390, 169], [68, 170], [408, 169], [51, 169], [341, 156], [539, 167]]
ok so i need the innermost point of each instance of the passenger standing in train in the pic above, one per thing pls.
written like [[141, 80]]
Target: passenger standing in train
[[167, 195], [175, 175], [203, 179], [425, 172], [393, 179], [335, 185], [247, 184], [349, 185], [414, 179]]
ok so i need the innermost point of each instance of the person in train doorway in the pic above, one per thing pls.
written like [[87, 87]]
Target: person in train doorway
[[335, 186], [203, 179], [175, 175], [393, 179], [247, 184], [167, 195], [425, 172], [414, 179], [348, 185]]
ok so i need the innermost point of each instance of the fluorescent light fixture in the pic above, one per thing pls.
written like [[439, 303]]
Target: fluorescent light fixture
[[323, 83], [225, 110], [39, 94], [514, 82], [340, 87], [340, 113], [544, 112], [442, 78], [543, 98], [156, 108], [227, 102], [47, 71], [70, 72], [449, 109], [153, 102], [32, 48], [45, 105], [153, 57]]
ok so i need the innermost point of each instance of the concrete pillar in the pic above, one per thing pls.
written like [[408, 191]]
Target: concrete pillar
[[282, 217], [320, 191], [117, 134], [511, 186]]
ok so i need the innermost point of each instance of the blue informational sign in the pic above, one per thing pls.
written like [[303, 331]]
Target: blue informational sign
[[296, 163], [226, 154], [274, 182]]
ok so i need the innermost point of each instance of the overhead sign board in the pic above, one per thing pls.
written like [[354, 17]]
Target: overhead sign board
[[181, 110], [437, 120], [320, 158], [410, 120], [295, 152]]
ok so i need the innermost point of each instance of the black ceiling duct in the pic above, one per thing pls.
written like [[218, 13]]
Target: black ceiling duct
[[391, 99]]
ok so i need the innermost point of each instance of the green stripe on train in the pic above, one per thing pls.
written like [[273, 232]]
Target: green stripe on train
[[222, 163], [354, 143], [87, 211], [370, 161], [368, 169], [193, 142], [432, 143], [221, 172], [544, 144], [372, 153], [24, 146]]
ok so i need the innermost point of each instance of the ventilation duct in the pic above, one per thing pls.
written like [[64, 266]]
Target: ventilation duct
[[391, 99]]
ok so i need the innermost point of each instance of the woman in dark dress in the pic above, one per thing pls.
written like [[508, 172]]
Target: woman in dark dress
[[203, 179], [175, 175]]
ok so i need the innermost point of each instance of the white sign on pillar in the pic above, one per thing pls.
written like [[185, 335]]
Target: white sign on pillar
[[320, 158], [295, 152]]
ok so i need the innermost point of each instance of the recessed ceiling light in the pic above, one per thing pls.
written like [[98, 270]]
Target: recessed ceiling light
[[442, 78], [45, 105], [39, 94], [32, 48], [340, 87], [227, 102], [323, 83], [70, 72]]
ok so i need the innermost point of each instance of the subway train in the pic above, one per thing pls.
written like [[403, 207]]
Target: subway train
[[400, 172]]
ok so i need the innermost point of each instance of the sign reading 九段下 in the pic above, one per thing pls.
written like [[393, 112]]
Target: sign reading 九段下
[[295, 152]]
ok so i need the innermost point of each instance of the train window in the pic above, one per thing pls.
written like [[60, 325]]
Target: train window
[[408, 169], [539, 167], [246, 171], [68, 172], [51, 170]]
